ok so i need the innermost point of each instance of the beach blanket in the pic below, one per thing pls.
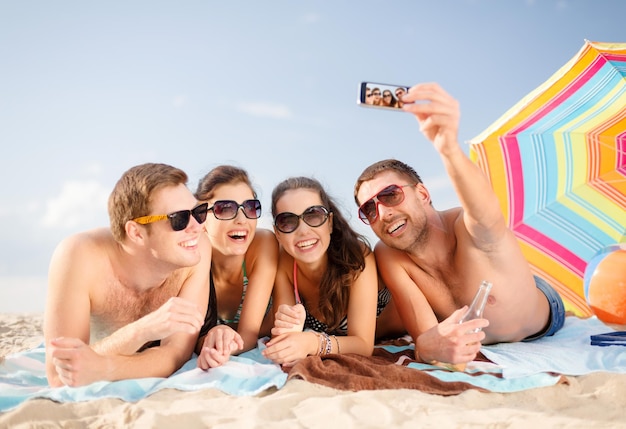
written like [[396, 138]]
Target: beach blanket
[[23, 376], [568, 352], [504, 368]]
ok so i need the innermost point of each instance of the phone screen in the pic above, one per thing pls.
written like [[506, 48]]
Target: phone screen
[[381, 95]]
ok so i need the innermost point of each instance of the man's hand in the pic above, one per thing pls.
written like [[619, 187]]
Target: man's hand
[[76, 363], [176, 315], [219, 344], [437, 113], [289, 318], [451, 342]]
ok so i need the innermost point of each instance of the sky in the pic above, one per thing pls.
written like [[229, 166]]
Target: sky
[[90, 89]]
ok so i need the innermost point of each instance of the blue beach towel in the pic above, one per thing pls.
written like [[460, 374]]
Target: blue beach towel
[[23, 376]]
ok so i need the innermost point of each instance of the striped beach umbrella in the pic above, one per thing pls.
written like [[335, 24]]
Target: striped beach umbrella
[[557, 161]]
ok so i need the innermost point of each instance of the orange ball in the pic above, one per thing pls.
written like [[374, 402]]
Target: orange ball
[[606, 292]]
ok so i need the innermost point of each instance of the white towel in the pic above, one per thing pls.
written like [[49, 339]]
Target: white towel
[[568, 352]]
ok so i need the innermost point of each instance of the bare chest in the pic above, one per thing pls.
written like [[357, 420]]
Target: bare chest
[[117, 305]]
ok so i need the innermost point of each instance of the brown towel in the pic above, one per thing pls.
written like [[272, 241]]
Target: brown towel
[[355, 372], [383, 370]]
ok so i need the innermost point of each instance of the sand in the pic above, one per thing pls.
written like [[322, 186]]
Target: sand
[[593, 401]]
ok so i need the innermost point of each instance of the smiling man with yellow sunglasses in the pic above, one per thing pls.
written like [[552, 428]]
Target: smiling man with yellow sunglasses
[[128, 301]]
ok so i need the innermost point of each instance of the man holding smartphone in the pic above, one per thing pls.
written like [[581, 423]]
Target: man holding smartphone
[[434, 261]]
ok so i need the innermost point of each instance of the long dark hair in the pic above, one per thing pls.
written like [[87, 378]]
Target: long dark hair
[[346, 253]]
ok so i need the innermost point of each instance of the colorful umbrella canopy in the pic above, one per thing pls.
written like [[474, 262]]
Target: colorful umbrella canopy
[[557, 161]]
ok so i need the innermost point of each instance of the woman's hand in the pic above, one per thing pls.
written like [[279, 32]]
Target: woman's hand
[[289, 318], [288, 348], [219, 344]]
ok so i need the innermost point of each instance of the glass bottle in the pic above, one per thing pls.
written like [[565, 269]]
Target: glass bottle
[[475, 310]]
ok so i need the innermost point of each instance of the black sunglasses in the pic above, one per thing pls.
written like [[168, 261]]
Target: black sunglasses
[[227, 209], [180, 219], [314, 216], [391, 196]]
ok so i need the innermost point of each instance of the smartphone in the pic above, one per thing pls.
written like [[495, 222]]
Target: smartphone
[[381, 95]]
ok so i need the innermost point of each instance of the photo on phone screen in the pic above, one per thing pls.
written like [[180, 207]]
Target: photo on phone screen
[[381, 95]]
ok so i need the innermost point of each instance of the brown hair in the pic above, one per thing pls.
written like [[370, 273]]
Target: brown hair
[[346, 253], [388, 164], [132, 195], [221, 175]]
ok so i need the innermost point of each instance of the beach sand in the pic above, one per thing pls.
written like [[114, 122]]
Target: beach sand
[[593, 401]]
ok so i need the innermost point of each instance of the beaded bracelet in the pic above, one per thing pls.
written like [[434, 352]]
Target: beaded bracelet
[[328, 344]]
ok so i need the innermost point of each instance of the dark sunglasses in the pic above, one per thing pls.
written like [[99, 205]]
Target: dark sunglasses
[[375, 93], [227, 209], [180, 219], [391, 196], [387, 95], [314, 216], [369, 95]]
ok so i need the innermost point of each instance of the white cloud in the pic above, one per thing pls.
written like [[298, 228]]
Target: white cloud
[[78, 204], [265, 110]]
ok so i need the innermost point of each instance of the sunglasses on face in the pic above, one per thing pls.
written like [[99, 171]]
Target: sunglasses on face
[[227, 209], [314, 216], [376, 93], [391, 196], [180, 219], [387, 95]]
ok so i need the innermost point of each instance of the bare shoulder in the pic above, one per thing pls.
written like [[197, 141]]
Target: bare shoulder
[[264, 239], [87, 245], [453, 218], [79, 268], [80, 262], [264, 247], [388, 255]]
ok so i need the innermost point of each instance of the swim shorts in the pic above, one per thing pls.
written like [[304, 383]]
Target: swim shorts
[[557, 310]]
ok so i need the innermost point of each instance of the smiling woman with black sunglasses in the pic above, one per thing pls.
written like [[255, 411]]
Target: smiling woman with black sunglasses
[[242, 268], [326, 284]]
